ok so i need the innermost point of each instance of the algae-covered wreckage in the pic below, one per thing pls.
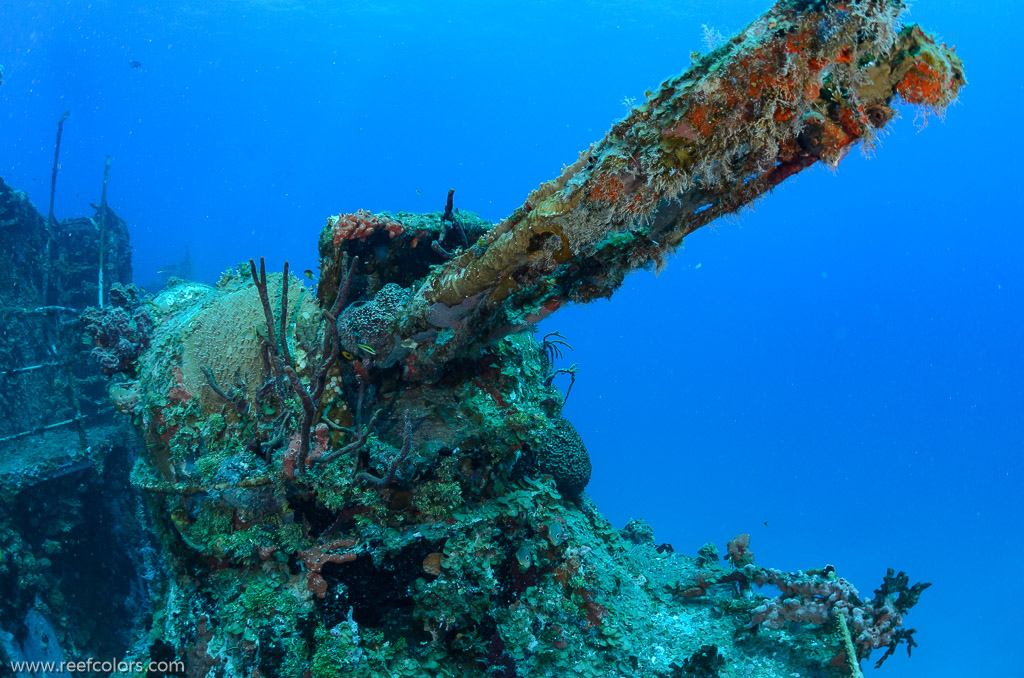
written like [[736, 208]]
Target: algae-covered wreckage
[[376, 479]]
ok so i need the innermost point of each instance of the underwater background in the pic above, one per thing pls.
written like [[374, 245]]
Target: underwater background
[[837, 371]]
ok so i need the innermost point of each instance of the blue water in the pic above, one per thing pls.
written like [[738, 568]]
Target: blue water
[[844, 362]]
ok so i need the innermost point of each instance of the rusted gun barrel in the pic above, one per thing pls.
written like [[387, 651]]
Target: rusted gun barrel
[[802, 84]]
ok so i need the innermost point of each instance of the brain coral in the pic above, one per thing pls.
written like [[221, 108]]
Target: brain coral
[[562, 454], [371, 324], [219, 330]]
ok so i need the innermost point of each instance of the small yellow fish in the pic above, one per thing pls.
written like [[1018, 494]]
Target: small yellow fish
[[367, 349], [347, 356], [308, 273]]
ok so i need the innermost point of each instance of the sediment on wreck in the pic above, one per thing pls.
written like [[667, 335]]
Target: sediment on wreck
[[377, 479], [76, 559]]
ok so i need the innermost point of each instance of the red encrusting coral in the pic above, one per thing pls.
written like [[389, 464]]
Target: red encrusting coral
[[179, 393], [921, 85], [935, 74], [606, 188], [360, 225]]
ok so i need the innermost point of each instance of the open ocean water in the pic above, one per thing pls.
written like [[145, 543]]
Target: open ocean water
[[838, 371]]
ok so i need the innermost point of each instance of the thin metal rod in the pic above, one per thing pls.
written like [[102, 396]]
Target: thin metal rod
[[103, 229], [49, 218]]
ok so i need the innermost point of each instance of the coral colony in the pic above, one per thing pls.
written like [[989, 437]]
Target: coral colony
[[377, 480]]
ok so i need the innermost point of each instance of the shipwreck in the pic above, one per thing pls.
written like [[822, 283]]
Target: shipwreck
[[375, 478]]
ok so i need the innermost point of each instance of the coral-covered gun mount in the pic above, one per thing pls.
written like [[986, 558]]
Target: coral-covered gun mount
[[376, 479]]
